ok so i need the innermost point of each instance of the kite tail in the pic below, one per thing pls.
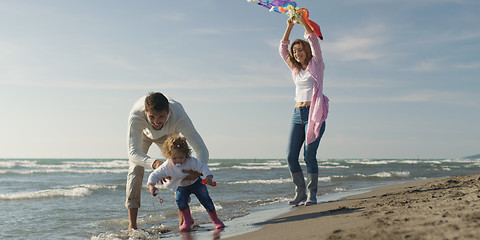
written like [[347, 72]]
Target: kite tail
[[315, 28], [312, 24]]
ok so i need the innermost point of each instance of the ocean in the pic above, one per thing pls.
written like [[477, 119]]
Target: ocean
[[84, 198]]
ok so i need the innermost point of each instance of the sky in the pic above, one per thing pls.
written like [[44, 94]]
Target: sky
[[402, 76]]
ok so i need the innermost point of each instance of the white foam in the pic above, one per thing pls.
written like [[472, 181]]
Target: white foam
[[329, 163], [213, 169], [122, 234], [382, 175], [198, 208], [66, 170], [325, 179], [72, 191], [100, 164], [269, 163], [259, 181], [65, 164], [214, 164], [260, 167], [253, 167], [13, 163], [401, 174], [327, 167], [7, 164], [371, 161], [391, 174]]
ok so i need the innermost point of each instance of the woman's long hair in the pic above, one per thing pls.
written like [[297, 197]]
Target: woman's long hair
[[306, 47]]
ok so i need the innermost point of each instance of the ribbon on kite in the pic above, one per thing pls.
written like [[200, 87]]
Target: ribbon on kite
[[290, 9]]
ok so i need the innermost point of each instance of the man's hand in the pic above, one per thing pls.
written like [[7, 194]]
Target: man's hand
[[164, 180], [192, 175]]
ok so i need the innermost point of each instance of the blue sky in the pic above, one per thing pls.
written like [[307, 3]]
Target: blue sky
[[402, 76]]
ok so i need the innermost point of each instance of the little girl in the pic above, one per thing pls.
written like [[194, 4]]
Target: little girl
[[178, 155]]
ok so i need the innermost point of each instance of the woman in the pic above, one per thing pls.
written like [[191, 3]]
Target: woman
[[308, 123]]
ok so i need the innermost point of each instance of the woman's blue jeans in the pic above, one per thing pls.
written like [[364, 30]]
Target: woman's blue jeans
[[297, 140], [197, 188]]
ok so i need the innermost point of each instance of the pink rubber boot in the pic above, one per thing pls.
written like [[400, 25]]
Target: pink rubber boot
[[216, 222], [187, 220]]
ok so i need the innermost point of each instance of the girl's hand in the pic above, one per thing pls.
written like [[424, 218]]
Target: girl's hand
[[153, 190], [214, 184], [209, 179]]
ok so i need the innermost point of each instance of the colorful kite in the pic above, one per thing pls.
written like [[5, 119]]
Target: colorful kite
[[290, 9]]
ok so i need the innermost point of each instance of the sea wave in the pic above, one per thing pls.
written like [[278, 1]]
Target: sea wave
[[325, 179], [66, 170], [340, 189], [71, 191], [267, 201], [99, 164], [214, 164], [259, 167], [31, 164], [269, 163], [197, 208], [260, 181], [13, 163], [370, 161], [408, 161], [385, 174], [328, 167]]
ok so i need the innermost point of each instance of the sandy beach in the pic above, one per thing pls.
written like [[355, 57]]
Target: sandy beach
[[443, 208]]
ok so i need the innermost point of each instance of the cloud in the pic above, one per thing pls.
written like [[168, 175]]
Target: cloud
[[425, 66], [341, 82], [427, 96], [19, 78], [207, 31], [447, 36], [363, 43], [468, 66], [411, 2], [118, 62], [350, 48], [7, 49], [174, 17]]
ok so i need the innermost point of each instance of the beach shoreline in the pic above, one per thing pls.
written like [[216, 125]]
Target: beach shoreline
[[437, 208], [246, 224]]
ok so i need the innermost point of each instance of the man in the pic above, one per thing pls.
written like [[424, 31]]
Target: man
[[151, 120]]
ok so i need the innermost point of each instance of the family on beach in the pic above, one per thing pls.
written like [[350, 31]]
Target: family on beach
[[158, 119]]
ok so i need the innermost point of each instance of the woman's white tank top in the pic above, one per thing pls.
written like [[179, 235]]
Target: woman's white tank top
[[304, 86]]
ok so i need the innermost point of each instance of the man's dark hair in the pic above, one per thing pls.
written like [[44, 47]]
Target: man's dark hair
[[156, 101]]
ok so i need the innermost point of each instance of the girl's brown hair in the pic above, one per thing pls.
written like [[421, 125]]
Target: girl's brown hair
[[173, 143], [306, 47]]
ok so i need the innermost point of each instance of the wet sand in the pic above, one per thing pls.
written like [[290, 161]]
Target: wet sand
[[444, 208]]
